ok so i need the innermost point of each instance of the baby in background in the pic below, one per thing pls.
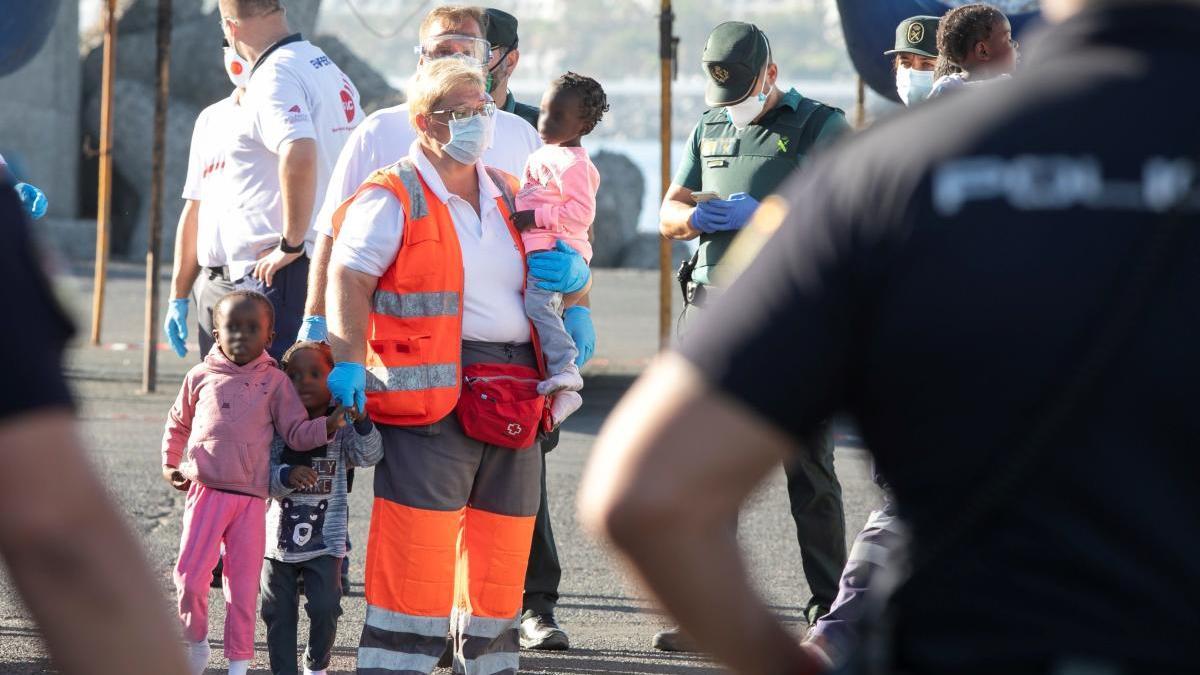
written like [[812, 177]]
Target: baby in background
[[217, 447], [555, 208], [307, 520]]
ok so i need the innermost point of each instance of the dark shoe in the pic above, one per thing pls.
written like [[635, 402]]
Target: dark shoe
[[447, 658], [542, 632], [217, 572], [674, 640]]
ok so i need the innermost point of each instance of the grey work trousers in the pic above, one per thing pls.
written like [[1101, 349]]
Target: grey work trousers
[[544, 309]]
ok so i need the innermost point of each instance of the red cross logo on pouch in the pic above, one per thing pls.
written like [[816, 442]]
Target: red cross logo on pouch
[[515, 429]]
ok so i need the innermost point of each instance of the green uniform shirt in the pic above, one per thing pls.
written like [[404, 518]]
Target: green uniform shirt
[[525, 112], [755, 160]]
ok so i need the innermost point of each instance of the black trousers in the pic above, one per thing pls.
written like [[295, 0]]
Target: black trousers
[[816, 500], [544, 572], [281, 610]]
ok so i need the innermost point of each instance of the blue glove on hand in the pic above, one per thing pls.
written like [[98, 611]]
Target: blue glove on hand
[[578, 322], [33, 199], [562, 270], [348, 384], [312, 329], [724, 215], [176, 326]]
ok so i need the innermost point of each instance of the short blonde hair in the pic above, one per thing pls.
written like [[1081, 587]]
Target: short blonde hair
[[435, 80], [454, 16]]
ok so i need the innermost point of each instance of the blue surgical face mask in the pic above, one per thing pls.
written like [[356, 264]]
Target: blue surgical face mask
[[469, 138], [913, 86]]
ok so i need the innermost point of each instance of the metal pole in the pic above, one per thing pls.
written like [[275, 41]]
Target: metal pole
[[104, 201], [860, 107], [157, 168], [667, 53]]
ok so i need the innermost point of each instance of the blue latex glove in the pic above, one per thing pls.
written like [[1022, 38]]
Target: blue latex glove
[[312, 329], [176, 326], [578, 322], [33, 199], [348, 384], [724, 215], [562, 270]]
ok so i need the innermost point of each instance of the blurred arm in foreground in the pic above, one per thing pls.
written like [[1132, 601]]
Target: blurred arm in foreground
[[74, 562]]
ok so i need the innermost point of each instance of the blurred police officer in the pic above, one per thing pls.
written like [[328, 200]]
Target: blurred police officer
[[753, 137], [505, 54], [1002, 292]]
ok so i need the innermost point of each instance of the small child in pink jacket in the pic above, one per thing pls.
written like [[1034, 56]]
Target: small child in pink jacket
[[556, 205], [217, 447]]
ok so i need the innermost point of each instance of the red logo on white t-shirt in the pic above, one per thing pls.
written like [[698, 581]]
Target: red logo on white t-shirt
[[294, 109], [348, 105]]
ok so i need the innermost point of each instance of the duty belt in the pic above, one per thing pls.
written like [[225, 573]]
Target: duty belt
[[700, 295]]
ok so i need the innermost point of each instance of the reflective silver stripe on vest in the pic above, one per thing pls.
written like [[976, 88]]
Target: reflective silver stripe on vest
[[415, 305], [411, 180], [412, 378], [506, 192]]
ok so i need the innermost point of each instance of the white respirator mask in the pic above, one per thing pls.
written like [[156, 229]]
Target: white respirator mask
[[913, 86], [742, 114], [236, 68]]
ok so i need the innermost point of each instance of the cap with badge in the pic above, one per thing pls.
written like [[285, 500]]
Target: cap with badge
[[917, 35], [501, 29], [734, 56]]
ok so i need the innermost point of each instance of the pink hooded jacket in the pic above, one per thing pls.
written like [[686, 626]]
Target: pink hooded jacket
[[219, 430]]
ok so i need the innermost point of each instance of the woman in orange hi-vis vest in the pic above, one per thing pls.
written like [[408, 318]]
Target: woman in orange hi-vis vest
[[428, 325]]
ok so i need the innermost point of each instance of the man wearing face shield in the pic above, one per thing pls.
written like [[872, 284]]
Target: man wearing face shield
[[385, 136], [502, 34], [754, 136]]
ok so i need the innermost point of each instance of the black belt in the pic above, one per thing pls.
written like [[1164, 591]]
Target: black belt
[[218, 273]]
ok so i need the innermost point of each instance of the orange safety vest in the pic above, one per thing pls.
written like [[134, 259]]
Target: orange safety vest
[[414, 355]]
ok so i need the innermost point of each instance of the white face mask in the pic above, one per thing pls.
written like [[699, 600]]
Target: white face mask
[[742, 114], [236, 68], [913, 86]]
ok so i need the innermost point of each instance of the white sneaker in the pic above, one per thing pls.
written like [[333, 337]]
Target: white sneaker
[[313, 672], [567, 380], [197, 656], [564, 403]]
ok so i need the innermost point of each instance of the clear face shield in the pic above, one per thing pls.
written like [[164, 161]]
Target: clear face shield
[[469, 48]]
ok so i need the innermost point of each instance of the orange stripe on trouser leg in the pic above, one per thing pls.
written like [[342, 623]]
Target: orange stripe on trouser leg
[[497, 552], [411, 558]]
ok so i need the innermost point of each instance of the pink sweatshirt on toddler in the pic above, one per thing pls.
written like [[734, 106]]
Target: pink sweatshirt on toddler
[[219, 430], [559, 186]]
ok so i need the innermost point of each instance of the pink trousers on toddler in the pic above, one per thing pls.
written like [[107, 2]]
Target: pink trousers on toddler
[[212, 518]]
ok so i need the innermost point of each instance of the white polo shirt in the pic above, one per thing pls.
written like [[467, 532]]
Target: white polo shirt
[[385, 137], [295, 92], [206, 168], [493, 301]]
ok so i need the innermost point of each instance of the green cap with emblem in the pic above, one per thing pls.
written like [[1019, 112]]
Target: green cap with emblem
[[917, 35], [501, 28], [734, 56]]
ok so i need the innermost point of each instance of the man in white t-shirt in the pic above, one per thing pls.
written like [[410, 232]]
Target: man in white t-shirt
[[199, 256], [386, 135], [298, 111]]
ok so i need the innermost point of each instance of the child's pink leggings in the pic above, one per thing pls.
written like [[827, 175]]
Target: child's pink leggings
[[213, 517]]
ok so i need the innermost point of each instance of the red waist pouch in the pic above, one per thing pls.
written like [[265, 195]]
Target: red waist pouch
[[500, 404]]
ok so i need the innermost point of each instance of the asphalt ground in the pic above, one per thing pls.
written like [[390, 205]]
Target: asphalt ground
[[609, 618]]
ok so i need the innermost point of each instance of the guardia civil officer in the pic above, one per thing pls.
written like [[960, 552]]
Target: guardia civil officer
[[753, 137], [1001, 291]]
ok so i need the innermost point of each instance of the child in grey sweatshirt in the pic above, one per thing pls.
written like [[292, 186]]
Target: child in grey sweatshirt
[[307, 521]]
